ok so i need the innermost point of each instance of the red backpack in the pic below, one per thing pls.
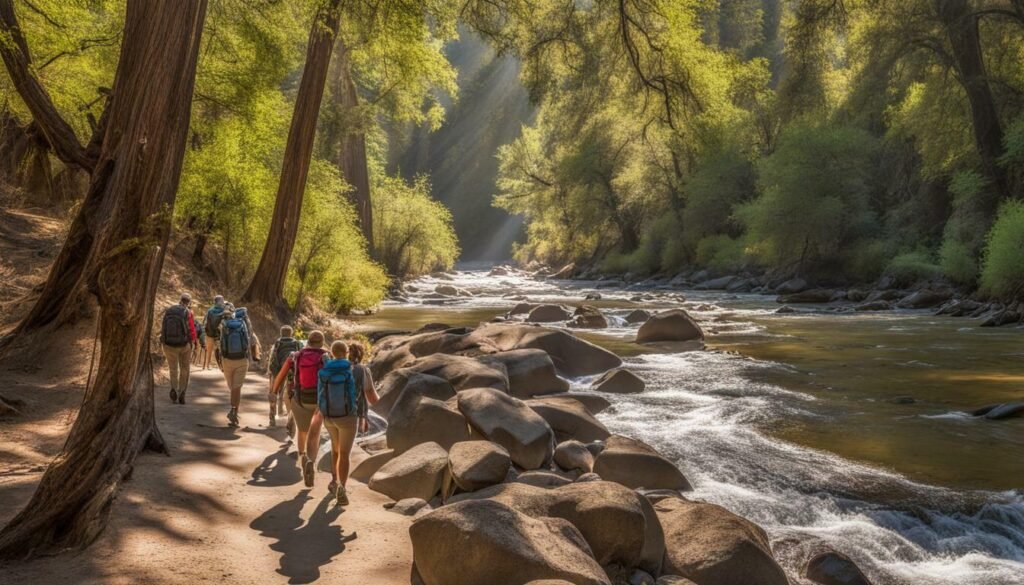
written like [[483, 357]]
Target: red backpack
[[307, 363]]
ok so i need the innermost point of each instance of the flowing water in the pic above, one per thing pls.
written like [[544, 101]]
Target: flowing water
[[845, 428]]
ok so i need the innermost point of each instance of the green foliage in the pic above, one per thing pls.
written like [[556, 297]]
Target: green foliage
[[958, 262], [721, 252], [413, 233], [1002, 274], [814, 202], [911, 267]]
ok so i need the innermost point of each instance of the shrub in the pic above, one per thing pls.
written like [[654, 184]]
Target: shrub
[[957, 262], [1003, 272], [721, 252], [912, 267], [412, 232]]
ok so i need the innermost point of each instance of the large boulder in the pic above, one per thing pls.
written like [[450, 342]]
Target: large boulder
[[475, 465], [573, 357], [417, 473], [544, 478], [610, 517], [365, 469], [830, 567], [816, 295], [670, 325], [404, 380], [588, 317], [710, 545], [463, 372], [594, 403], [509, 422], [521, 309], [569, 419], [418, 419], [548, 314], [530, 372], [715, 283], [398, 351], [619, 381], [476, 542], [793, 285], [574, 455], [636, 464], [924, 299]]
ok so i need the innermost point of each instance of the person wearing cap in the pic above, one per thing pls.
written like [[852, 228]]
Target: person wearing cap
[[178, 337], [211, 325]]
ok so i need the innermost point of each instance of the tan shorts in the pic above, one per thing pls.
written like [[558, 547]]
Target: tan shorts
[[343, 432], [303, 413], [234, 372]]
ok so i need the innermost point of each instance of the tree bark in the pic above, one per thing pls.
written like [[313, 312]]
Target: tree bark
[[350, 156], [267, 285], [136, 179], [961, 27], [18, 61]]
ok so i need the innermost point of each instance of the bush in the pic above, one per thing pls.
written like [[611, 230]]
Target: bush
[[1003, 271], [412, 232], [912, 267], [957, 262], [720, 252]]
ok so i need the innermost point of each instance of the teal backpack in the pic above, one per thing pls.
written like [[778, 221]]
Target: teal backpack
[[234, 339], [336, 392]]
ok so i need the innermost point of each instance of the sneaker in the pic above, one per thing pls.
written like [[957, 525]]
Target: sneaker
[[181, 397], [332, 487], [273, 422], [174, 395], [342, 496], [233, 417], [308, 472]]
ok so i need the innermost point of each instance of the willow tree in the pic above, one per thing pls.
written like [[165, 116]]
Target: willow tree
[[135, 180], [267, 285]]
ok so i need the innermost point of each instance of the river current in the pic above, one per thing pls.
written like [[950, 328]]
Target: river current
[[845, 429]]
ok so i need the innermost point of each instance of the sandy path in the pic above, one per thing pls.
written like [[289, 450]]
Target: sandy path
[[228, 506]]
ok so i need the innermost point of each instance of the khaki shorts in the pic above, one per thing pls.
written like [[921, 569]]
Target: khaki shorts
[[234, 372], [343, 432], [303, 413]]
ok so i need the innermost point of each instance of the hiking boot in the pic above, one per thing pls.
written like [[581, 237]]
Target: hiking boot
[[332, 487], [174, 395], [233, 417], [342, 496], [308, 471], [181, 397]]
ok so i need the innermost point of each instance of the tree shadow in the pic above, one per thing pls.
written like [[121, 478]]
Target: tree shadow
[[277, 470], [305, 547]]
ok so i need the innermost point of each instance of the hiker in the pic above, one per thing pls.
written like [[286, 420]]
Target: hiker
[[302, 399], [236, 341], [211, 325], [178, 337], [344, 388], [285, 346]]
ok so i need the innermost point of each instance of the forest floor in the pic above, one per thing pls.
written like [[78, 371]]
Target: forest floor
[[228, 505]]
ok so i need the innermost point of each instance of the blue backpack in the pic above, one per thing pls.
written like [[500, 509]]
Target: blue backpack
[[336, 391], [234, 339]]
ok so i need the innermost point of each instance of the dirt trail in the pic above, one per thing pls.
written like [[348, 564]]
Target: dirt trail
[[228, 506]]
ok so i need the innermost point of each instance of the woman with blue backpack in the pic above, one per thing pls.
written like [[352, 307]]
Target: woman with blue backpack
[[344, 388], [237, 342]]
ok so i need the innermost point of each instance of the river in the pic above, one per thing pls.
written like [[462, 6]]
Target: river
[[847, 428]]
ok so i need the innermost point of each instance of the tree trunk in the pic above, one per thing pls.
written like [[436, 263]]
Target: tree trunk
[[350, 156], [136, 180], [961, 26], [267, 285]]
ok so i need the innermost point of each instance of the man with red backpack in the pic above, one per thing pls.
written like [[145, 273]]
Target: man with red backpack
[[302, 399], [178, 337]]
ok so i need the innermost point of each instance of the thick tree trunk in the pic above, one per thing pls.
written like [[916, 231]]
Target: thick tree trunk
[[136, 180], [350, 155], [961, 26], [267, 285]]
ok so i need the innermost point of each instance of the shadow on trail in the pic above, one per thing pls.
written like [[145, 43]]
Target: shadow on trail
[[277, 470], [305, 547]]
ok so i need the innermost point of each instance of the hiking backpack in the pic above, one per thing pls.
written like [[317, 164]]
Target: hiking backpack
[[174, 331], [234, 339], [212, 322], [337, 393], [283, 348], [307, 363]]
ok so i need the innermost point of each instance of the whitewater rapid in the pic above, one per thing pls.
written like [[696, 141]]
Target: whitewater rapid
[[706, 411]]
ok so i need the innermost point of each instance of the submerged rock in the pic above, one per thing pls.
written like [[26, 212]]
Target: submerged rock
[[638, 316], [548, 314], [1000, 411], [834, 568]]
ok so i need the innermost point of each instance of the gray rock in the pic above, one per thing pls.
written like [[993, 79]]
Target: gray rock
[[924, 299], [588, 317], [830, 567], [619, 381], [573, 357], [638, 316], [671, 325], [720, 283], [817, 295], [474, 465], [573, 455], [417, 473], [548, 314], [509, 422], [569, 419], [793, 285], [874, 306], [416, 419], [530, 372]]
